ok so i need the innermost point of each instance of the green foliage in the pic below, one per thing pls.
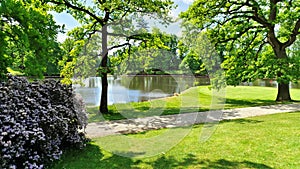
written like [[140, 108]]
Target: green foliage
[[192, 62], [200, 57], [124, 20], [158, 52], [28, 37], [253, 36], [114, 20], [53, 67], [119, 16], [293, 51], [81, 59], [13, 72]]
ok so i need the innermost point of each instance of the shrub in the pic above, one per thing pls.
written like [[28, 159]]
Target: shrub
[[37, 122]]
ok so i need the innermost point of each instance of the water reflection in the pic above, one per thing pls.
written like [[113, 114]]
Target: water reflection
[[142, 88], [136, 88]]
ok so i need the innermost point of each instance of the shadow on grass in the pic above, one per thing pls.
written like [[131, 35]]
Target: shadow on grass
[[192, 161], [144, 111], [243, 121], [93, 157], [236, 103], [113, 114]]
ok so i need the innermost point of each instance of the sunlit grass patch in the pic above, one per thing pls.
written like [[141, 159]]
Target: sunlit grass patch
[[193, 100], [270, 141]]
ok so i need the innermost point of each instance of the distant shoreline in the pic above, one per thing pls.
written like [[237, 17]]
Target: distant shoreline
[[183, 75]]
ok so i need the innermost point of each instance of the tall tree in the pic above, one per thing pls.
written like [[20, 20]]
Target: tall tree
[[28, 37], [254, 35], [112, 18], [159, 53]]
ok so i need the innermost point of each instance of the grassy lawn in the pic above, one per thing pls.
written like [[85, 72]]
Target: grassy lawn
[[270, 141], [192, 100]]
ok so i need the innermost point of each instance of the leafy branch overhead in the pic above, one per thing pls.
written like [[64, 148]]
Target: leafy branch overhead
[[116, 14], [251, 34], [113, 19], [28, 37], [278, 21]]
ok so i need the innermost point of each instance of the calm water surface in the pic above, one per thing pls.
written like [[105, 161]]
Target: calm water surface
[[142, 88], [136, 88]]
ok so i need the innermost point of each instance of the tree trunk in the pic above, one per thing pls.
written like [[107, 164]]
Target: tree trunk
[[283, 93], [103, 100]]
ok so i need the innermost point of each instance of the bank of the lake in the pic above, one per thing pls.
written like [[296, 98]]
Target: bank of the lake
[[193, 100], [138, 88]]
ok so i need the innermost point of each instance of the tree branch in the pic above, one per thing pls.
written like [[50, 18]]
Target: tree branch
[[251, 41], [273, 10], [260, 48], [82, 9], [258, 18], [119, 46], [234, 17], [293, 36], [240, 34]]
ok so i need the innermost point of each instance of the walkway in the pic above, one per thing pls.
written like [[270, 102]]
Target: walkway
[[101, 129]]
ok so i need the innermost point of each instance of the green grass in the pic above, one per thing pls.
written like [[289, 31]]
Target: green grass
[[193, 100], [270, 141]]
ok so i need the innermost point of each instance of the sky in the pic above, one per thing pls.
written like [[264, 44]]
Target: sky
[[70, 22]]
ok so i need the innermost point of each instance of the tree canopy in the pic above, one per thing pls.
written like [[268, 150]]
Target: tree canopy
[[80, 60], [112, 19], [28, 37], [157, 53], [253, 36]]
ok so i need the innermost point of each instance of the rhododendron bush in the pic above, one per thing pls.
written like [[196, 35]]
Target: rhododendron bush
[[38, 121]]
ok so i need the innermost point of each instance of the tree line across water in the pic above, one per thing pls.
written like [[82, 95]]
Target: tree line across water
[[233, 41]]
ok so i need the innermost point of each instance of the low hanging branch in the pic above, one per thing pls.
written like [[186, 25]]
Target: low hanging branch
[[250, 29]]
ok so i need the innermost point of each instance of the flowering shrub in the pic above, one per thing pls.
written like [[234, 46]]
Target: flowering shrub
[[37, 122]]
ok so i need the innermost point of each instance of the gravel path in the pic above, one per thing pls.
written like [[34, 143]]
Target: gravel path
[[105, 128]]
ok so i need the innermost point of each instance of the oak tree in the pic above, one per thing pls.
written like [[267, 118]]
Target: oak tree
[[254, 35]]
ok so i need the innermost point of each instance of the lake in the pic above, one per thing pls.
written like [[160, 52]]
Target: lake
[[142, 88], [136, 88]]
